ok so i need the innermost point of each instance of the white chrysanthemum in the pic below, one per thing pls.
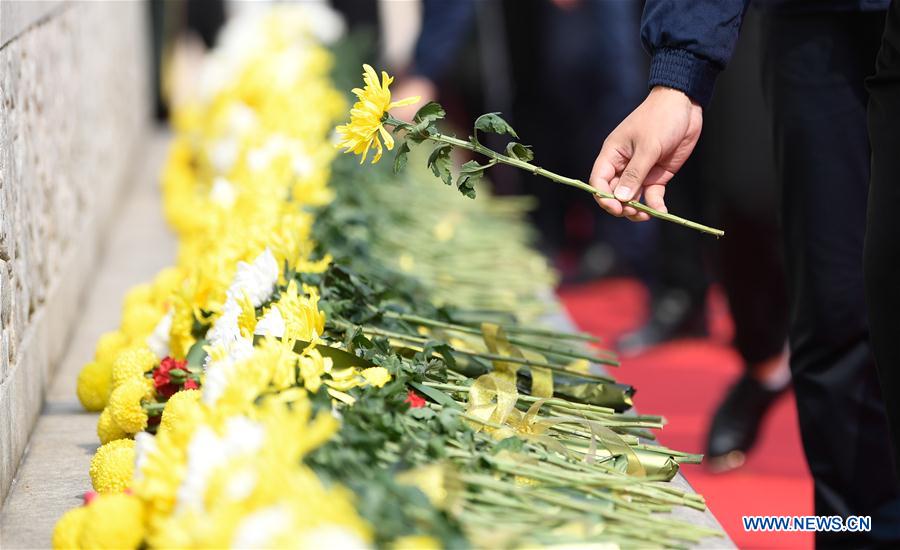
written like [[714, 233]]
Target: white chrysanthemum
[[222, 193], [262, 527], [223, 153], [260, 157], [302, 164], [218, 372], [332, 536], [225, 328], [255, 279], [207, 451], [271, 324], [327, 24], [158, 341], [227, 347], [242, 118], [241, 483], [144, 445]]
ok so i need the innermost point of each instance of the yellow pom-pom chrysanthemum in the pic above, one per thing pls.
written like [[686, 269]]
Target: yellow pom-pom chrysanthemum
[[109, 345], [113, 466], [68, 529], [114, 520], [94, 385], [125, 404], [131, 364], [182, 414], [107, 429]]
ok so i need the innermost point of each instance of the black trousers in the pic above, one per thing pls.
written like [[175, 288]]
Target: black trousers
[[814, 70], [882, 249]]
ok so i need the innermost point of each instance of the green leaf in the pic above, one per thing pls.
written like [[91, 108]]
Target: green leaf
[[435, 395], [469, 175], [518, 151], [439, 162], [197, 354], [430, 112], [512, 444], [492, 122], [400, 158]]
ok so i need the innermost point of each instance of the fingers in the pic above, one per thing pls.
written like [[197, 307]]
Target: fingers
[[608, 163], [653, 196], [633, 175]]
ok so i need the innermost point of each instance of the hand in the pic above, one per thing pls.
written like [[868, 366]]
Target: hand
[[410, 87], [643, 153]]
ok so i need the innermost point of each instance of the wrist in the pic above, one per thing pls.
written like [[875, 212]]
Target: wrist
[[682, 70]]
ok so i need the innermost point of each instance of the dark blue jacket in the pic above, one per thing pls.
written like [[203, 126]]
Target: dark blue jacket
[[691, 41]]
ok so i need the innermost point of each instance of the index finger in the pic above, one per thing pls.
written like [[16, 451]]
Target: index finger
[[608, 162]]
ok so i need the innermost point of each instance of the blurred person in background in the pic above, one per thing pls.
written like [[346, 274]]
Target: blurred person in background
[[749, 261], [541, 63], [816, 57]]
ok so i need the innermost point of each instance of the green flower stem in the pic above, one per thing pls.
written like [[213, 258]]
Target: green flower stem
[[488, 356], [538, 171], [509, 329], [512, 340], [153, 409], [546, 349]]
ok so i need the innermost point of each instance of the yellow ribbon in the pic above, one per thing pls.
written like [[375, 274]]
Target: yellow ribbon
[[497, 343], [492, 400]]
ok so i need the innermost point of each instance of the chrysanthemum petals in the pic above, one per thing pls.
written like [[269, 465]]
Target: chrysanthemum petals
[[365, 130]]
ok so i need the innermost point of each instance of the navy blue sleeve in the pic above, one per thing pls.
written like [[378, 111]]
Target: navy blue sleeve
[[690, 42], [445, 26]]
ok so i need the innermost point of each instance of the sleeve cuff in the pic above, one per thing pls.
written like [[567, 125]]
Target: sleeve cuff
[[681, 70]]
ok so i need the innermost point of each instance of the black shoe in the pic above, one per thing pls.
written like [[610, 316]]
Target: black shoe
[[736, 423], [674, 315]]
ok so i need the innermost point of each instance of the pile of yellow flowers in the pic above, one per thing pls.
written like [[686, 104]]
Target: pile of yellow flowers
[[224, 466], [255, 395]]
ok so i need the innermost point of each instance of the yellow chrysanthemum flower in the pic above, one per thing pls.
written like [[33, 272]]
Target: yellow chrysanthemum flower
[[113, 520], [139, 319], [125, 404], [182, 414], [113, 466], [312, 366], [94, 385], [109, 345], [68, 529], [416, 542], [107, 429], [366, 125], [377, 376], [302, 318], [131, 364]]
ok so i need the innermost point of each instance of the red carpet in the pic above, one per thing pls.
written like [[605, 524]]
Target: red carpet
[[684, 381]]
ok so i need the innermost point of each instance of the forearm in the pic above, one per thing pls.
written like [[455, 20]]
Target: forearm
[[690, 42]]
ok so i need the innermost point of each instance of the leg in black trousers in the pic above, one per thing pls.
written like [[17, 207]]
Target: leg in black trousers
[[815, 66], [882, 254]]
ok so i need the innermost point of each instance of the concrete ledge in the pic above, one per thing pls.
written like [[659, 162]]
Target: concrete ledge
[[54, 473], [74, 103]]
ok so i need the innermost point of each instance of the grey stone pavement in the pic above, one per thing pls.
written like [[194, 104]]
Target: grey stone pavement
[[53, 475], [54, 471]]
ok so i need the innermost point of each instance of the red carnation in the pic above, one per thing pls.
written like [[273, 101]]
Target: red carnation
[[415, 400], [89, 497], [162, 379], [191, 384]]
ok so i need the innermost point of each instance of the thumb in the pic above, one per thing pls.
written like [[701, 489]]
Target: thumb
[[634, 174]]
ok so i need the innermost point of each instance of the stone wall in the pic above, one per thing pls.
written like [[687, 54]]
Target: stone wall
[[74, 109]]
